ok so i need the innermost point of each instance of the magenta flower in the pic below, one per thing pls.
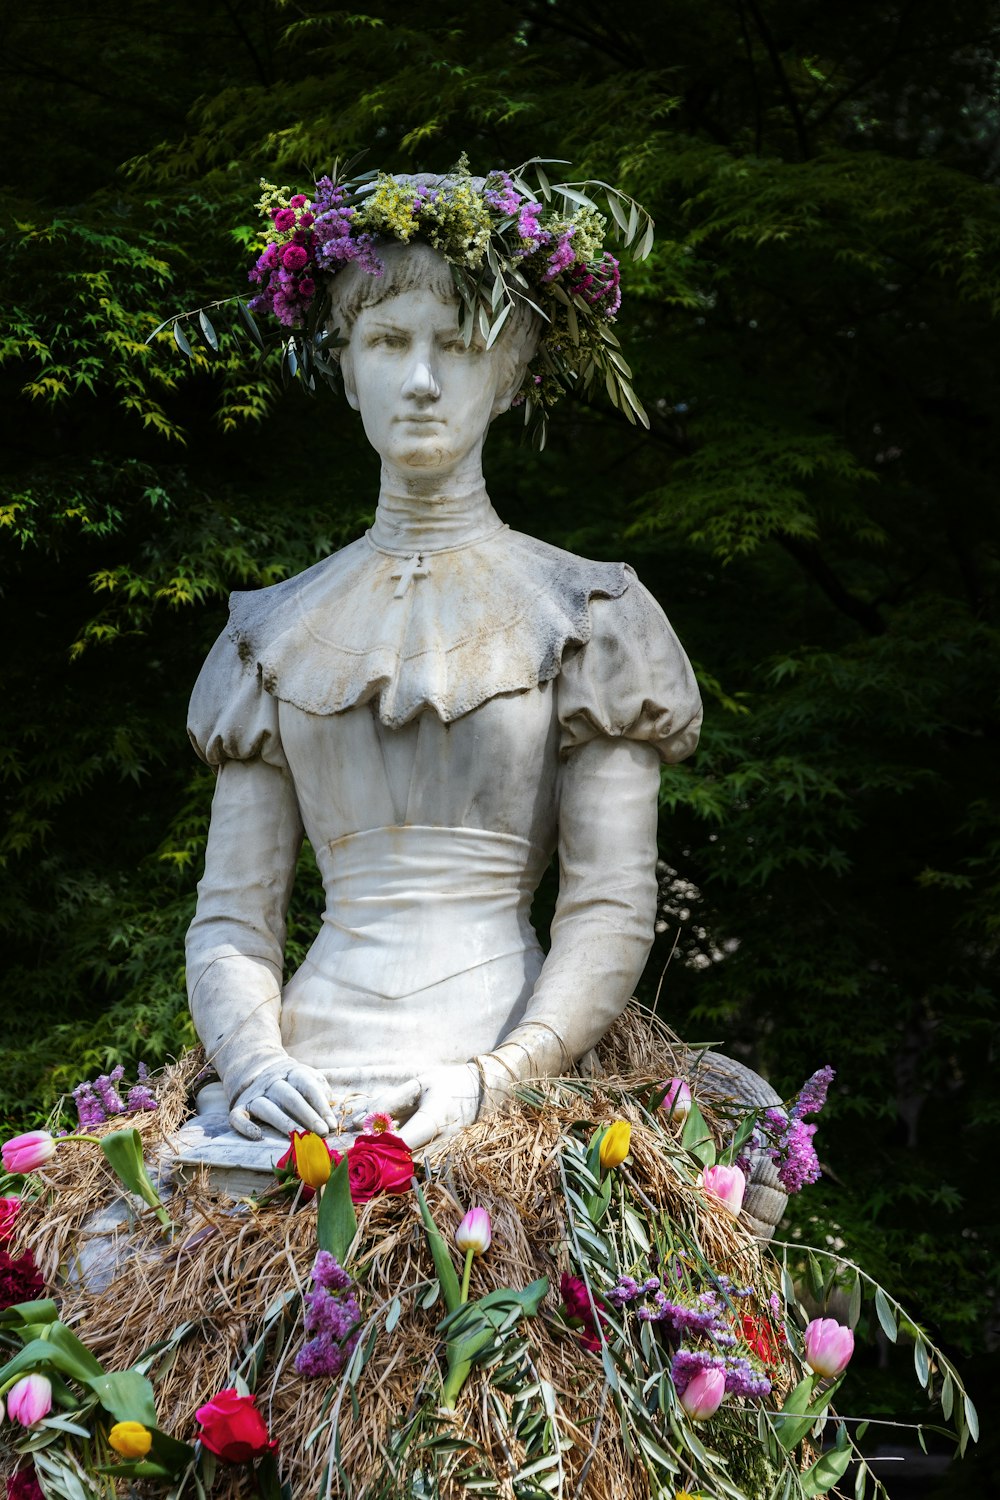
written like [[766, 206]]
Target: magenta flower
[[726, 1185], [9, 1210], [284, 218], [828, 1346], [702, 1396], [23, 1153], [30, 1400], [677, 1101], [475, 1232], [298, 200], [293, 258]]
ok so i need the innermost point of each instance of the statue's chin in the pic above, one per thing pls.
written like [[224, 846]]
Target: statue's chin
[[426, 455]]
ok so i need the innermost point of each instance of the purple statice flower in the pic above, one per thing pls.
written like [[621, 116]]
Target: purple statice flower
[[531, 233], [796, 1159], [332, 1319], [500, 193], [328, 1273], [104, 1087], [562, 257], [775, 1120], [140, 1096], [88, 1107], [812, 1095], [423, 196], [741, 1377], [774, 1303]]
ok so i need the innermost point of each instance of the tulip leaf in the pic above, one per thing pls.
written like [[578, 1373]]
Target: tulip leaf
[[127, 1395], [696, 1137], [48, 1352], [825, 1472], [30, 1313], [171, 1452], [885, 1315], [336, 1221], [447, 1275]]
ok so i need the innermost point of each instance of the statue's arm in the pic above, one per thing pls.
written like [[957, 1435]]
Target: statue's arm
[[235, 950], [603, 925]]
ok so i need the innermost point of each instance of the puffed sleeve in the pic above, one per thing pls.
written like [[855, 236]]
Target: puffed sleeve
[[631, 681], [235, 944], [626, 701], [231, 717]]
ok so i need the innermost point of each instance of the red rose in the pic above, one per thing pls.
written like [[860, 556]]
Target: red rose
[[233, 1429], [19, 1279], [9, 1210], [378, 1164]]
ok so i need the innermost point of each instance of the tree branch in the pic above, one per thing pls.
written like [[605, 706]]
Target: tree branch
[[809, 559]]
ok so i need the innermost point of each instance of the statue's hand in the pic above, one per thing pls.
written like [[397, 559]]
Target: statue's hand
[[287, 1096], [449, 1099]]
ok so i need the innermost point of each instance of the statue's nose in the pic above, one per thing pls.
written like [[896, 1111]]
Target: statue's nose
[[421, 380]]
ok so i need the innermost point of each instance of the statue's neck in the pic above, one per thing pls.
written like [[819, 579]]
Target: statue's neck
[[422, 523]]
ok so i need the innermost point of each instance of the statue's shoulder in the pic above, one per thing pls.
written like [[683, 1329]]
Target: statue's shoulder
[[273, 608]]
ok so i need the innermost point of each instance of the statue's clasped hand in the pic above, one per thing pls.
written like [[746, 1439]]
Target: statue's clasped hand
[[446, 1098], [286, 1096]]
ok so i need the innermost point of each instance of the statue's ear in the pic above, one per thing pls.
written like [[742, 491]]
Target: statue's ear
[[347, 373]]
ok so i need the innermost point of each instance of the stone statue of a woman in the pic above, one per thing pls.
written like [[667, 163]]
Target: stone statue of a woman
[[437, 708]]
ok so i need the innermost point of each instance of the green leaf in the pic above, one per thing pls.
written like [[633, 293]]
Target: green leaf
[[127, 1395], [947, 1397], [885, 1314], [854, 1303], [392, 1316], [921, 1362], [336, 1221], [972, 1418], [250, 324], [696, 1138], [43, 1311], [208, 332], [825, 1472], [447, 1275], [185, 348]]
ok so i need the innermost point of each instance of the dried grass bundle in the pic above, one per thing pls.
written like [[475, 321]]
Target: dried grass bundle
[[226, 1295]]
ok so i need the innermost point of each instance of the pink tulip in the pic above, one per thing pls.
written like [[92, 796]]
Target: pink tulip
[[30, 1400], [677, 1101], [474, 1233], [23, 1153], [703, 1394], [828, 1346], [726, 1185]]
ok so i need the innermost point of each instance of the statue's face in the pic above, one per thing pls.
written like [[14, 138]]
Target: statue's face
[[425, 399]]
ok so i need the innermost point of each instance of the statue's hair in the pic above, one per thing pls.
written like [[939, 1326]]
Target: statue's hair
[[407, 267]]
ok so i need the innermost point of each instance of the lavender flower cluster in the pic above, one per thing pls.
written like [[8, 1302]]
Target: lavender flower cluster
[[741, 1377], [706, 1314], [98, 1100], [787, 1139], [332, 1319]]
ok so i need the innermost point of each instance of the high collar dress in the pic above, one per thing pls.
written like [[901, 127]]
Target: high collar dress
[[438, 708]]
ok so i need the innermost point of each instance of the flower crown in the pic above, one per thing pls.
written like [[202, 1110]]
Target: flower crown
[[506, 243]]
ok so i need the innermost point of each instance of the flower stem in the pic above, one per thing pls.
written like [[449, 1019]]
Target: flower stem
[[466, 1274]]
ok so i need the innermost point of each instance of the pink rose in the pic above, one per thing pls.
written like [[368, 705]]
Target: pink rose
[[378, 1164], [9, 1210], [233, 1429]]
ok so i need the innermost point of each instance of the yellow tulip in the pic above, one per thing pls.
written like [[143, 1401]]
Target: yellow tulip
[[615, 1144], [130, 1439], [312, 1158]]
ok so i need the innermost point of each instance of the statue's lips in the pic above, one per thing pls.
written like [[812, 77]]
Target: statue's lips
[[421, 421]]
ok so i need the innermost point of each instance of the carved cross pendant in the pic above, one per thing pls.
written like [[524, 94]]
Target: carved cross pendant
[[409, 569]]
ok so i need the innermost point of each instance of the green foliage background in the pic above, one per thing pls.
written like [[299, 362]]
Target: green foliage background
[[815, 338]]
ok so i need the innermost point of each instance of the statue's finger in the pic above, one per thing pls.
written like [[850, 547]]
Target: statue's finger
[[268, 1112], [316, 1092], [243, 1125], [420, 1129], [295, 1106], [399, 1100]]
